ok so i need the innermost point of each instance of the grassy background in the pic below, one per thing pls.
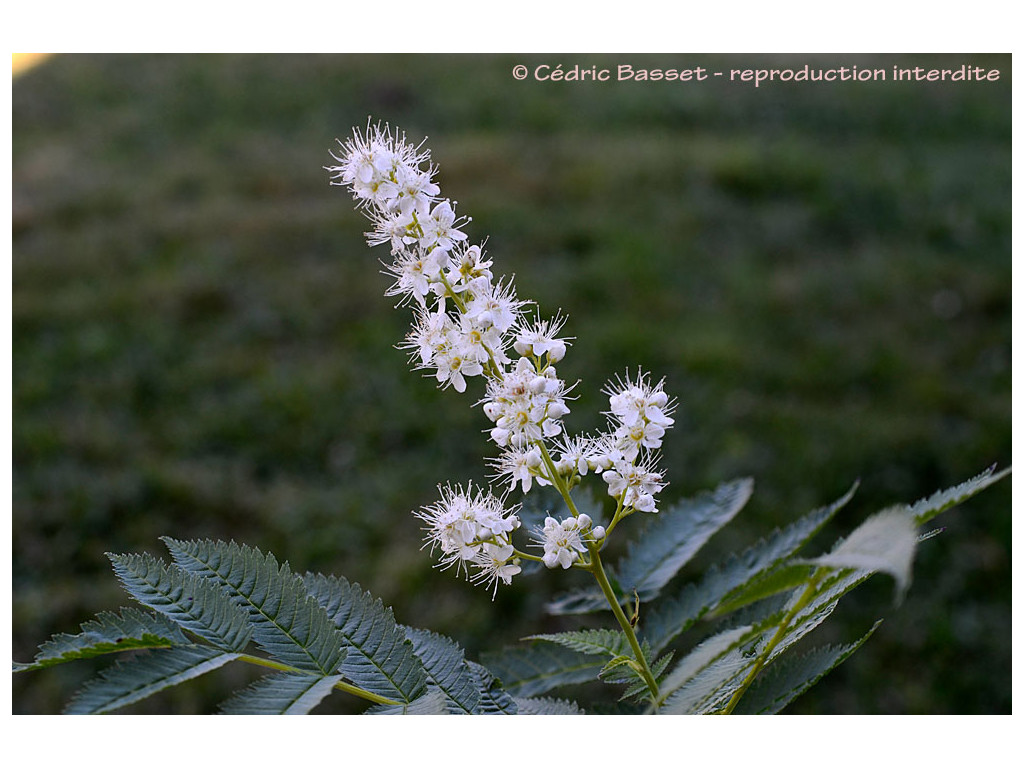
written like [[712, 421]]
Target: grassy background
[[201, 346]]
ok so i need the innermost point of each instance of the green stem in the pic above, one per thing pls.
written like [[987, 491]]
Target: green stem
[[597, 569], [341, 686], [762, 659], [602, 579]]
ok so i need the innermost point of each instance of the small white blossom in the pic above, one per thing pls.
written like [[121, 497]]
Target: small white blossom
[[493, 305], [497, 562], [635, 400], [521, 467], [377, 165], [561, 541], [524, 410], [462, 522], [468, 265], [441, 228], [414, 271], [635, 485], [541, 338]]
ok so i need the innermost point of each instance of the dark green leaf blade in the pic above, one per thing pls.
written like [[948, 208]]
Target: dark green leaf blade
[[928, 508], [494, 699], [531, 670], [676, 534], [589, 641], [108, 633], [134, 679], [287, 622], [676, 613], [282, 693], [447, 669], [186, 599], [547, 706], [791, 676], [380, 659]]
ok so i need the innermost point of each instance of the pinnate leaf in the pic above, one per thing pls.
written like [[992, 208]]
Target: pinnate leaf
[[108, 633], [380, 658], [186, 599], [287, 622], [676, 534], [282, 693], [134, 679], [789, 677]]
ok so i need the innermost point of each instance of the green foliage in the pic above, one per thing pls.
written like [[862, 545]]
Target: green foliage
[[286, 621], [791, 676], [380, 658], [282, 693], [107, 633], [322, 633], [134, 679], [669, 540], [192, 602]]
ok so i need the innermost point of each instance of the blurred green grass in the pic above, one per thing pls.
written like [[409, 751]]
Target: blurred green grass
[[201, 346]]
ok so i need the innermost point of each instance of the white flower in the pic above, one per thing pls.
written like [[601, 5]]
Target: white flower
[[525, 406], [521, 466], [632, 401], [479, 343], [376, 164], [468, 265], [577, 455], [440, 228], [561, 541], [462, 523], [635, 485], [540, 338], [429, 335], [414, 271], [496, 562], [493, 305], [453, 367], [641, 434], [414, 190]]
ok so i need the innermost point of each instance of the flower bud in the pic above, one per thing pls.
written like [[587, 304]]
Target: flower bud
[[584, 521], [598, 533], [538, 384]]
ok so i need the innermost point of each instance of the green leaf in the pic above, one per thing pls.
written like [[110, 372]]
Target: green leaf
[[703, 656], [782, 578], [885, 542], [494, 699], [445, 664], [589, 641], [789, 677], [821, 605], [665, 545], [433, 702], [380, 658], [547, 706], [132, 680], [926, 509], [586, 600], [530, 670], [186, 599], [107, 633], [677, 613], [287, 622], [675, 535], [282, 693]]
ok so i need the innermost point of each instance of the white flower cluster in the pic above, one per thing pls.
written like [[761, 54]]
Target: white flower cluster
[[565, 540], [466, 324], [473, 529]]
